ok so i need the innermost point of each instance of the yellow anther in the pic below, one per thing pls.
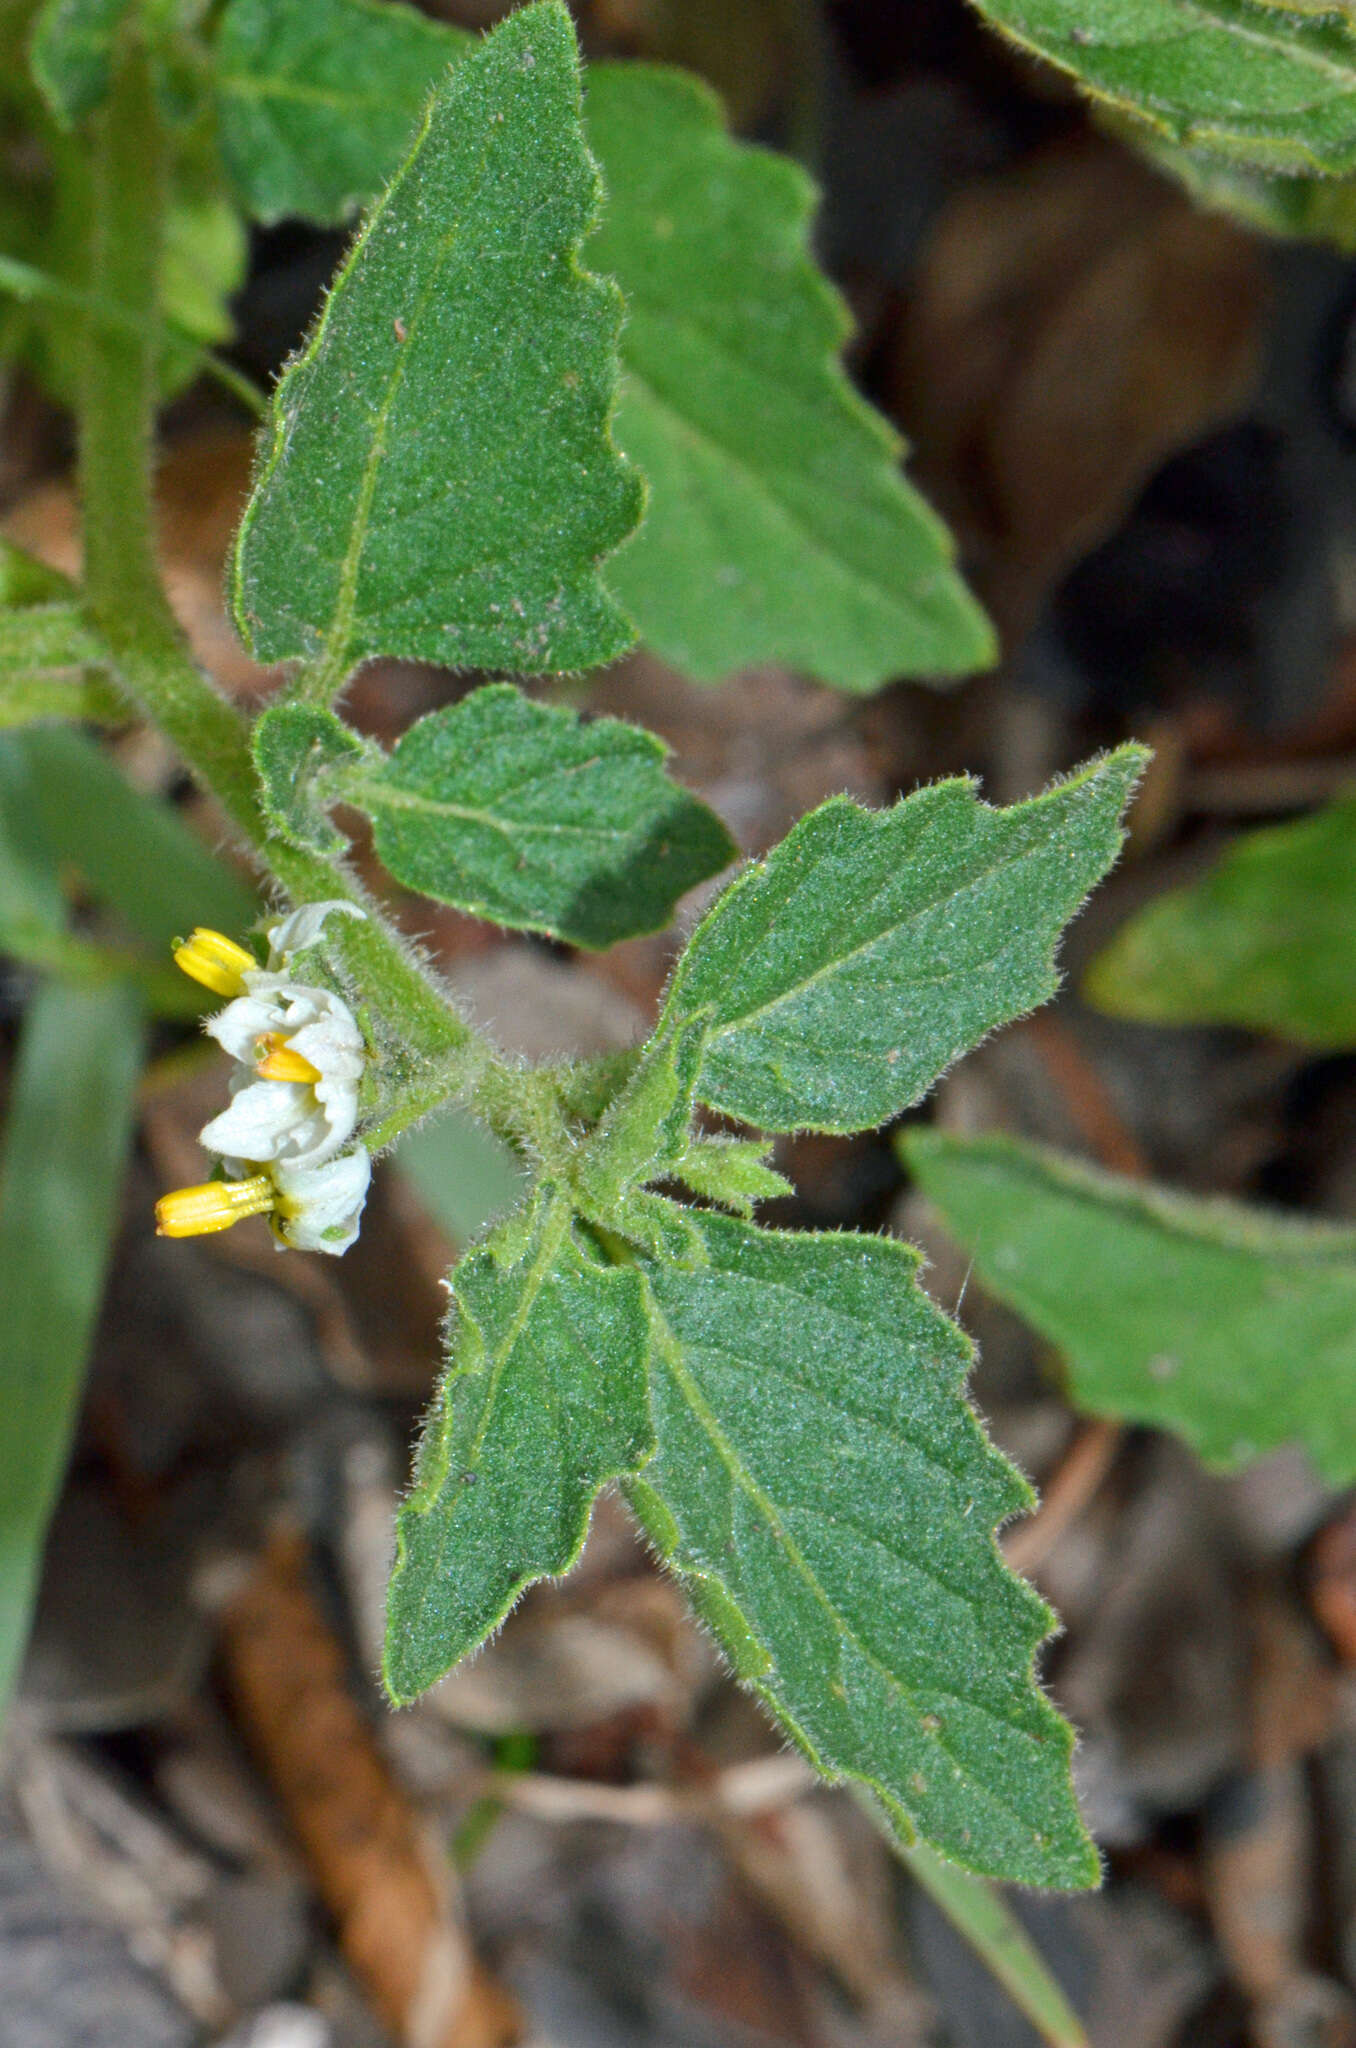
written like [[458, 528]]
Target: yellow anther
[[278, 1062], [216, 961], [196, 1212]]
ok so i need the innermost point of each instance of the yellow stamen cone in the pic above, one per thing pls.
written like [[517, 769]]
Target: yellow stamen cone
[[216, 961], [216, 1205], [278, 1062]]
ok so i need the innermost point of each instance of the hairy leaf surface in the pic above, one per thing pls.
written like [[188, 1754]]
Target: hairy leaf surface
[[830, 1502], [1233, 1326], [1250, 81], [780, 525], [1266, 939], [439, 481], [544, 1401], [516, 811], [846, 971]]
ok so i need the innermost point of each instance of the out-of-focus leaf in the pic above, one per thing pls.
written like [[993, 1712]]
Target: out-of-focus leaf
[[982, 1915], [64, 1148], [845, 972], [70, 53], [133, 853], [1255, 82], [440, 480], [319, 98], [780, 527], [1266, 939], [1312, 209], [1233, 1326]]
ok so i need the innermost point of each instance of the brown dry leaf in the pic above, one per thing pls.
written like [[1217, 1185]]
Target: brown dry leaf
[[398, 1917], [1073, 321]]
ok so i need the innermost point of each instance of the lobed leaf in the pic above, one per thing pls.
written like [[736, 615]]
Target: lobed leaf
[[1232, 1326], [520, 812], [780, 526], [1266, 939], [318, 101], [545, 1400], [846, 971], [829, 1500], [1245, 78], [461, 514]]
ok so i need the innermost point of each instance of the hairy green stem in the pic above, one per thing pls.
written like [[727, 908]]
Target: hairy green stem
[[126, 599]]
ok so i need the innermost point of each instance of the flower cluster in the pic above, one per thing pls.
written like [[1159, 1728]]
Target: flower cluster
[[294, 1095]]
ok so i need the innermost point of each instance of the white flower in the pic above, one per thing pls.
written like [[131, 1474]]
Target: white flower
[[295, 1092], [311, 1208], [319, 1207]]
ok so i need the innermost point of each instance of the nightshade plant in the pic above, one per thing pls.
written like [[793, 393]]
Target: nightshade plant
[[451, 470]]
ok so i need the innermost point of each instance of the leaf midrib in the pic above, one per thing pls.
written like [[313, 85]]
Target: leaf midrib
[[667, 1344]]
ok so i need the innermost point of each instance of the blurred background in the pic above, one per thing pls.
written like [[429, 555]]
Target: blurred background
[[1140, 421]]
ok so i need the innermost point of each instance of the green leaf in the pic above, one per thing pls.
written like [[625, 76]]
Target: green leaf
[[846, 971], [830, 1502], [1309, 209], [644, 1133], [319, 100], [133, 853], [440, 481], [1247, 80], [65, 1146], [732, 1172], [1230, 1325], [71, 51], [544, 1402], [296, 749], [520, 812], [780, 527], [49, 657], [25, 580], [1266, 939]]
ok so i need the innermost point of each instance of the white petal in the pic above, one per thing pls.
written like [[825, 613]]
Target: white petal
[[321, 1206], [240, 1024], [304, 927], [261, 1121]]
